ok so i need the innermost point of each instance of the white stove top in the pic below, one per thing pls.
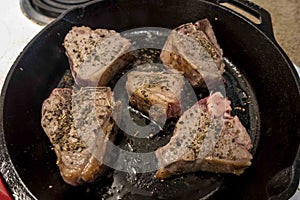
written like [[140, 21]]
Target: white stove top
[[16, 31]]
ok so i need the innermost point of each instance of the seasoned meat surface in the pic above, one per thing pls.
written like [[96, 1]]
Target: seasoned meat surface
[[95, 55], [79, 124], [193, 50], [208, 138], [160, 91]]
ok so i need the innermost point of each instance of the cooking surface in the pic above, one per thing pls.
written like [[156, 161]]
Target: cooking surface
[[16, 31]]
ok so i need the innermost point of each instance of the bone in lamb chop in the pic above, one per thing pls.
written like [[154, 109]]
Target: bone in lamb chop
[[158, 94], [95, 56], [207, 138], [79, 125], [193, 50]]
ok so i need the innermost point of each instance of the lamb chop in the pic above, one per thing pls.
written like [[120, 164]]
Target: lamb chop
[[193, 50], [207, 138], [95, 55], [79, 126], [156, 93]]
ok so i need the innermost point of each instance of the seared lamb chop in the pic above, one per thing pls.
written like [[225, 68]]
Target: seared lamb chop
[[193, 49], [95, 55], [208, 138], [79, 125], [156, 93]]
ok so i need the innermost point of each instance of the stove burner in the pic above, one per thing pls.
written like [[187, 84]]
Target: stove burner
[[44, 11]]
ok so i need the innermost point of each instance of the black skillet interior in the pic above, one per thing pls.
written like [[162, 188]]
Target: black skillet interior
[[266, 68]]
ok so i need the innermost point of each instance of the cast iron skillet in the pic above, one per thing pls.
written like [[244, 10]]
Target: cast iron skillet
[[28, 163]]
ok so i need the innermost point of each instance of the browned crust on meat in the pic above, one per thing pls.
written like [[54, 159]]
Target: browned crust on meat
[[219, 166], [76, 157], [179, 63]]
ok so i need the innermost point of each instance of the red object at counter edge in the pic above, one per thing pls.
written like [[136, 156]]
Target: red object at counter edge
[[4, 194]]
